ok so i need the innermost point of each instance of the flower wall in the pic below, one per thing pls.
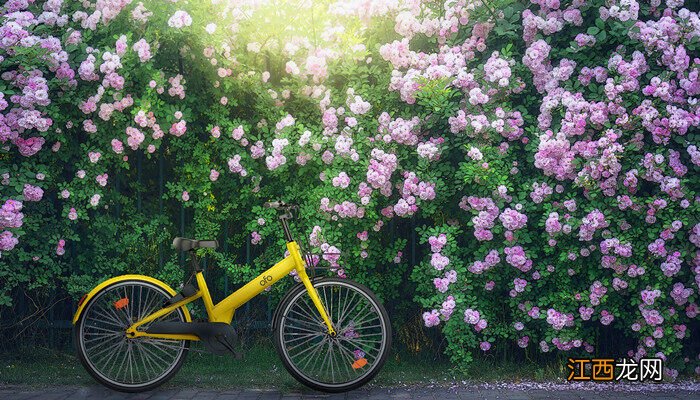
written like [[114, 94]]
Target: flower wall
[[547, 151]]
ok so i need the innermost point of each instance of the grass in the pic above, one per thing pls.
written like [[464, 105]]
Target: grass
[[261, 368]]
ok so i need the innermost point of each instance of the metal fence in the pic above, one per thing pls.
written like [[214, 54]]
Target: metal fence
[[47, 321], [44, 318]]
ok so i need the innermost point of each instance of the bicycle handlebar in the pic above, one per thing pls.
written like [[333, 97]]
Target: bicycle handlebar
[[287, 212], [280, 205], [277, 204], [271, 204]]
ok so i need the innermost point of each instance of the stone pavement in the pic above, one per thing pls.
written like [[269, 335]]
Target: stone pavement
[[464, 391]]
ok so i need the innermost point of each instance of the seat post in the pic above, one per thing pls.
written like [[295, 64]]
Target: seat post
[[194, 261]]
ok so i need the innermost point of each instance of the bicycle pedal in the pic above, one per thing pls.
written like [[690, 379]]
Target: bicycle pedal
[[219, 338]]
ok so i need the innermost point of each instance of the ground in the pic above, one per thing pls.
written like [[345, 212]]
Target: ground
[[520, 391], [40, 374]]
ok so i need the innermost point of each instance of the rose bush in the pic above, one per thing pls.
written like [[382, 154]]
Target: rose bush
[[547, 148], [578, 196]]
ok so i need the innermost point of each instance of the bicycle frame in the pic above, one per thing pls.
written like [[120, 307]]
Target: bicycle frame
[[224, 310]]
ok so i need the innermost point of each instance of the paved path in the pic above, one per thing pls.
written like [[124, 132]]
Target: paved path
[[524, 391]]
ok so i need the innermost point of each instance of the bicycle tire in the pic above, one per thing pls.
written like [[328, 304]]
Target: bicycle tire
[[283, 346], [88, 364]]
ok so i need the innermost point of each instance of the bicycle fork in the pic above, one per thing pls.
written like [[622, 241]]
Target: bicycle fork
[[294, 249]]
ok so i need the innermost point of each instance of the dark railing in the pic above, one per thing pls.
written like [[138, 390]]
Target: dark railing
[[44, 317]]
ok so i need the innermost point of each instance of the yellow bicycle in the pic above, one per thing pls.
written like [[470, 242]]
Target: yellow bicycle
[[132, 332]]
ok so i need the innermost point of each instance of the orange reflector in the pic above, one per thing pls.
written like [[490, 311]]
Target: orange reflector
[[121, 303], [359, 363]]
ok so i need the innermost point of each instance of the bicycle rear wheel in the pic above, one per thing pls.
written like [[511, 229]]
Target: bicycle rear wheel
[[115, 360], [337, 363]]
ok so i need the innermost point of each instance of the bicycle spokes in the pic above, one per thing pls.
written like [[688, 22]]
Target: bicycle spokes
[[334, 359], [110, 353]]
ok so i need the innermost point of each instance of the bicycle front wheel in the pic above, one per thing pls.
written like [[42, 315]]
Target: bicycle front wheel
[[337, 363], [117, 361]]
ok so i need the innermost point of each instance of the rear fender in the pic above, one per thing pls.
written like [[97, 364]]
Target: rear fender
[[85, 299]]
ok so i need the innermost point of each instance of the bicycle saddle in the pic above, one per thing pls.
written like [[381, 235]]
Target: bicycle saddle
[[184, 244]]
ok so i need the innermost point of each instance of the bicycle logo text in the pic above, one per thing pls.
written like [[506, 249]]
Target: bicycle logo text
[[265, 280]]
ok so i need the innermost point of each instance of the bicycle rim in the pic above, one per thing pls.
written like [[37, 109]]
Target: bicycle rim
[[129, 363], [353, 355]]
